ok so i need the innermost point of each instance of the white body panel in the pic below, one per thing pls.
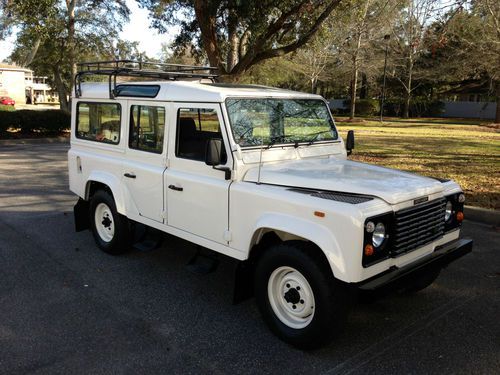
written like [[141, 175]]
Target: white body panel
[[146, 188], [230, 216], [201, 208]]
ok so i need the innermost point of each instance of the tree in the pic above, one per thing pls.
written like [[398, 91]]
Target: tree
[[235, 35], [407, 44], [64, 32], [362, 25], [464, 46], [313, 59]]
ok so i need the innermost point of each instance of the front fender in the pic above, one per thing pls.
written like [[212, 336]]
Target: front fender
[[311, 231], [114, 185]]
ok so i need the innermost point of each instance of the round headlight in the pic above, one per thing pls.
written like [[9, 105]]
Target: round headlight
[[449, 210], [370, 227], [378, 236]]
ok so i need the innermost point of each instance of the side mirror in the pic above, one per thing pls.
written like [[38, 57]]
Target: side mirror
[[213, 152], [213, 156], [349, 143]]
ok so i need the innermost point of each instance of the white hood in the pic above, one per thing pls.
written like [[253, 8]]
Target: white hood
[[391, 185]]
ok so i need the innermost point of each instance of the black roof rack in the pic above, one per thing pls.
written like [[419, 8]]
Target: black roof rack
[[146, 69]]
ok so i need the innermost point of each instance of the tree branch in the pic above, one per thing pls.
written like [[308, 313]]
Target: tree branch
[[248, 61]]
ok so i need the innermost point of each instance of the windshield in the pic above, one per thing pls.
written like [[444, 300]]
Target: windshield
[[257, 122]]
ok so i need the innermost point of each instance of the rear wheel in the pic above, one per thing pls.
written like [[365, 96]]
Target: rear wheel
[[110, 229], [298, 296]]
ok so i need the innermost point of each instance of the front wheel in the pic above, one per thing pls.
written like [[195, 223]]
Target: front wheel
[[299, 298], [110, 229]]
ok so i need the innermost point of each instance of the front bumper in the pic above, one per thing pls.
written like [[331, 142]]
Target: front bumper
[[397, 278]]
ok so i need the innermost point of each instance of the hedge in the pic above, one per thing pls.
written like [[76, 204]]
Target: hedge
[[8, 108], [29, 121], [419, 107]]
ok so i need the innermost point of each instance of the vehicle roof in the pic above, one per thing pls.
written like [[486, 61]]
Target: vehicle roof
[[195, 91]]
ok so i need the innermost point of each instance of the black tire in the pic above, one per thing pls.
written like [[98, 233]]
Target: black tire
[[331, 297], [119, 241], [422, 282]]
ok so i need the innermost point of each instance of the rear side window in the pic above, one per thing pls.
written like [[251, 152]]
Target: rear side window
[[195, 126], [147, 127], [99, 122]]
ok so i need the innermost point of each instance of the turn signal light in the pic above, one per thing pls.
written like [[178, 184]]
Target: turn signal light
[[319, 214], [460, 216], [368, 250]]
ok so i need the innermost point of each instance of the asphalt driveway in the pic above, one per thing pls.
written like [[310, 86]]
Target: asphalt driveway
[[66, 307]]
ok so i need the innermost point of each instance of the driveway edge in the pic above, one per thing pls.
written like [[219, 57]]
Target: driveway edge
[[482, 215], [33, 141]]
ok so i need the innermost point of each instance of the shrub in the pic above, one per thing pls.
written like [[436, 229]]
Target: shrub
[[364, 107], [7, 108], [29, 121], [419, 107]]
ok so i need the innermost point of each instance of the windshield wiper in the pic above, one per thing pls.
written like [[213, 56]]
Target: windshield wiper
[[273, 141], [316, 135]]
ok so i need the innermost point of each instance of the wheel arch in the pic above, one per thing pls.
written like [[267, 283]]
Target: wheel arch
[[109, 182], [288, 228], [273, 229]]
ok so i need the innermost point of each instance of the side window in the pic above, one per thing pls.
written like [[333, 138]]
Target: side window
[[147, 128], [98, 122], [195, 126]]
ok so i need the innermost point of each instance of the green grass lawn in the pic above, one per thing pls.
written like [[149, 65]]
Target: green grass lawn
[[463, 150]]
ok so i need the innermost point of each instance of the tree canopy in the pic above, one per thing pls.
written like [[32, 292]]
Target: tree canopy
[[236, 34]]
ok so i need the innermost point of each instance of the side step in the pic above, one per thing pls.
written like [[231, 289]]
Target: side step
[[146, 238], [203, 262]]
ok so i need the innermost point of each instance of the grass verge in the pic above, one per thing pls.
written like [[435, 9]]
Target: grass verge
[[466, 151]]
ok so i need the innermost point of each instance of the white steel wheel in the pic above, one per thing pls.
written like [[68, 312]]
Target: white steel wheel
[[104, 222], [291, 297]]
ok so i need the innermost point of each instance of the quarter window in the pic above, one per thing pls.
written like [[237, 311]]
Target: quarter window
[[98, 122], [195, 126], [147, 128]]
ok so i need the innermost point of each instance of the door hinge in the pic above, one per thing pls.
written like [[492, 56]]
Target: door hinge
[[227, 236], [166, 162], [164, 214]]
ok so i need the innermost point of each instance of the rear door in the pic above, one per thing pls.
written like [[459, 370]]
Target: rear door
[[197, 194], [145, 160]]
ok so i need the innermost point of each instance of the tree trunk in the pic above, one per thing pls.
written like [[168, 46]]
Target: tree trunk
[[314, 82], [71, 4], [497, 114], [408, 88], [207, 24], [406, 105], [363, 90], [354, 88], [233, 53], [33, 51], [61, 91]]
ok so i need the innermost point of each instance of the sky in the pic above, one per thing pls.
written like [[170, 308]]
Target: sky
[[136, 30]]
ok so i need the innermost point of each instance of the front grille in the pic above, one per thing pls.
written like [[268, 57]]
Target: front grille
[[417, 226]]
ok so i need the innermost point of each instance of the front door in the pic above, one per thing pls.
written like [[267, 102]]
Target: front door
[[144, 163], [197, 194]]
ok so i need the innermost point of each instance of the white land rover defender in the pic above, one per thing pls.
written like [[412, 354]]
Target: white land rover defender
[[260, 175]]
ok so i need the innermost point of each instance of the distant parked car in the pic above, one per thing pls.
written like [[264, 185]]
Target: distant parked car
[[5, 100]]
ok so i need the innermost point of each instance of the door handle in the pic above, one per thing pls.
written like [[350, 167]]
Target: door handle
[[129, 175], [176, 188]]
